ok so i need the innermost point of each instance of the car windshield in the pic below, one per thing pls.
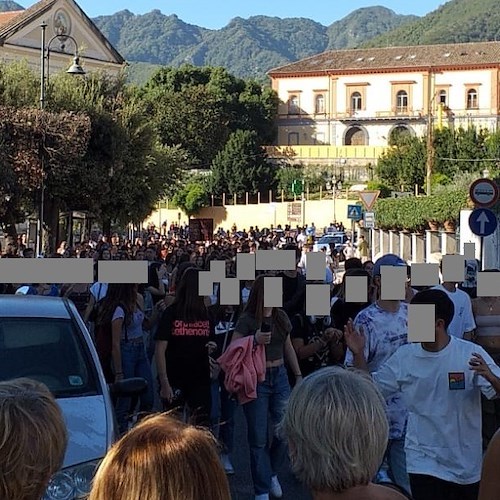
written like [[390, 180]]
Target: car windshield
[[51, 351], [336, 240]]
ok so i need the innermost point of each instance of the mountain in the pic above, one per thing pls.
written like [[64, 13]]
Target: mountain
[[362, 25], [9, 5], [246, 47], [455, 21]]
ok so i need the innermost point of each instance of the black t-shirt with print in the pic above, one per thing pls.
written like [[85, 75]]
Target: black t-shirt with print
[[186, 355]]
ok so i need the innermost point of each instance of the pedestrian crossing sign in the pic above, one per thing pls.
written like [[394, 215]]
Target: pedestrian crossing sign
[[354, 212]]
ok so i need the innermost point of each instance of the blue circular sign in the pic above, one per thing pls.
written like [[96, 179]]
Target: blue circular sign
[[483, 222]]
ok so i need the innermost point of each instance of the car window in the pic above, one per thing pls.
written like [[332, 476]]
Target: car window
[[334, 240], [51, 351]]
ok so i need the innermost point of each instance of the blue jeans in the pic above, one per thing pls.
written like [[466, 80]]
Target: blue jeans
[[395, 463], [134, 364], [266, 410], [222, 415]]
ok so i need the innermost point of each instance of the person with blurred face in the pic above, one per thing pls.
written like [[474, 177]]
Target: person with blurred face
[[33, 439], [337, 434]]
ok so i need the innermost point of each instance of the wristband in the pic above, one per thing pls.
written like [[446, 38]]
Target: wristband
[[298, 374], [119, 373]]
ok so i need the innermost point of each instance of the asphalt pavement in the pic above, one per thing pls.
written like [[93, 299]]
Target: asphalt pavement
[[241, 482]]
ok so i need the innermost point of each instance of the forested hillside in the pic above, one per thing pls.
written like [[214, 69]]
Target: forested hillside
[[454, 22]]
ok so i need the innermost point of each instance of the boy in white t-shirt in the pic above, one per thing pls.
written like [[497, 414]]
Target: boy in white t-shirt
[[441, 383], [462, 325]]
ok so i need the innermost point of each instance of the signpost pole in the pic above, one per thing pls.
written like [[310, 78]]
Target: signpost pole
[[481, 253]]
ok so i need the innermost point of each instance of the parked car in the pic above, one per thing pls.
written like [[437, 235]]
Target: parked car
[[332, 242], [45, 339]]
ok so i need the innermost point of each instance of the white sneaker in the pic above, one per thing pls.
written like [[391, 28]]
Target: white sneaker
[[226, 463], [264, 496], [276, 490]]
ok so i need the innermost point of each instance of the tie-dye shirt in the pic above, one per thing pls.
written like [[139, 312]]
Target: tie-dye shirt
[[385, 332]]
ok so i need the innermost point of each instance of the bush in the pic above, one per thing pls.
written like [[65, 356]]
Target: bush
[[385, 190], [412, 213]]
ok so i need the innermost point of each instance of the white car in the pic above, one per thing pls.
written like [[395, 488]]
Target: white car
[[331, 241], [45, 339]]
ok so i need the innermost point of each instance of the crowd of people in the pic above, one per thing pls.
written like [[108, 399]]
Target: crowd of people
[[360, 412]]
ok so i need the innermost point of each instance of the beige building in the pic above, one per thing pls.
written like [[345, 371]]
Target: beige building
[[21, 38], [342, 107]]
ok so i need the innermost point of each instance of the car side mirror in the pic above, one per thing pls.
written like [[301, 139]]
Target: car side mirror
[[128, 387]]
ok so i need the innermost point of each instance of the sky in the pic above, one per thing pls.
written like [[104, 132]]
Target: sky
[[215, 14]]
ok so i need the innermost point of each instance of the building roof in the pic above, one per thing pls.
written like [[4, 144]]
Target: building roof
[[396, 58], [6, 17], [23, 17]]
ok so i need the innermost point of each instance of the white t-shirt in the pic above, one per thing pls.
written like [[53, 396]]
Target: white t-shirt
[[443, 397], [384, 332], [301, 238], [463, 319]]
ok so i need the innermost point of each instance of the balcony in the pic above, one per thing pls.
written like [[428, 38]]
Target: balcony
[[370, 115], [326, 152]]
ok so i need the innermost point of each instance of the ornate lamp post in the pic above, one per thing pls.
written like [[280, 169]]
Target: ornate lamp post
[[74, 69]]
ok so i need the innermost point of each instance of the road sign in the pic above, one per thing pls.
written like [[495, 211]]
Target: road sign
[[369, 220], [354, 212], [483, 222], [294, 211], [484, 192], [368, 198]]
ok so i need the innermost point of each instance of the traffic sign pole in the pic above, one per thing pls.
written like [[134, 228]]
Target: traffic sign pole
[[481, 253]]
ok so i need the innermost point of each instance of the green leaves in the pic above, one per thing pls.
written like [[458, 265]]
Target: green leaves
[[242, 166], [413, 213]]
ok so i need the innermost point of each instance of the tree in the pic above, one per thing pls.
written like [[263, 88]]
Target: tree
[[403, 166], [126, 170], [38, 147], [192, 198], [242, 166], [198, 108]]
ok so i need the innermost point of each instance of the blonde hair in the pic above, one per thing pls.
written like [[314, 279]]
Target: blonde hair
[[337, 429], [33, 439], [162, 458]]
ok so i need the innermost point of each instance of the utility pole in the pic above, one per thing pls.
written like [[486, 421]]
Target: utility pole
[[430, 134]]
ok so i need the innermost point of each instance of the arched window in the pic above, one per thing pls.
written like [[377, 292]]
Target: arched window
[[356, 136], [472, 100], [293, 105], [399, 133], [319, 106], [293, 138], [442, 97], [356, 102], [402, 101]]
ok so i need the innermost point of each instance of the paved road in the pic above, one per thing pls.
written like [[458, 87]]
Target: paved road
[[241, 482]]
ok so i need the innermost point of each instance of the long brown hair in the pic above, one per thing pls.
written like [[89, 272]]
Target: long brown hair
[[118, 294], [162, 458], [255, 304], [189, 303]]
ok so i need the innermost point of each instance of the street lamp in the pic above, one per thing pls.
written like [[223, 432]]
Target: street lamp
[[74, 69]]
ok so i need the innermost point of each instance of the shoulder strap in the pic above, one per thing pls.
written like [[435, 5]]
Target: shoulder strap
[[124, 320]]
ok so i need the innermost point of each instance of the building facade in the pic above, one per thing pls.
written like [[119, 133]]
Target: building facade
[[21, 38], [344, 106]]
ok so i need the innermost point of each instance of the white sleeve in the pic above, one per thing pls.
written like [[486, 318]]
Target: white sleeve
[[387, 376], [470, 324]]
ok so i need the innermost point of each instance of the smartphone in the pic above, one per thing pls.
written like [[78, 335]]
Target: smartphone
[[265, 328]]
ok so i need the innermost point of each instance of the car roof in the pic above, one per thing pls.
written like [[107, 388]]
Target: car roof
[[15, 306], [333, 235]]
